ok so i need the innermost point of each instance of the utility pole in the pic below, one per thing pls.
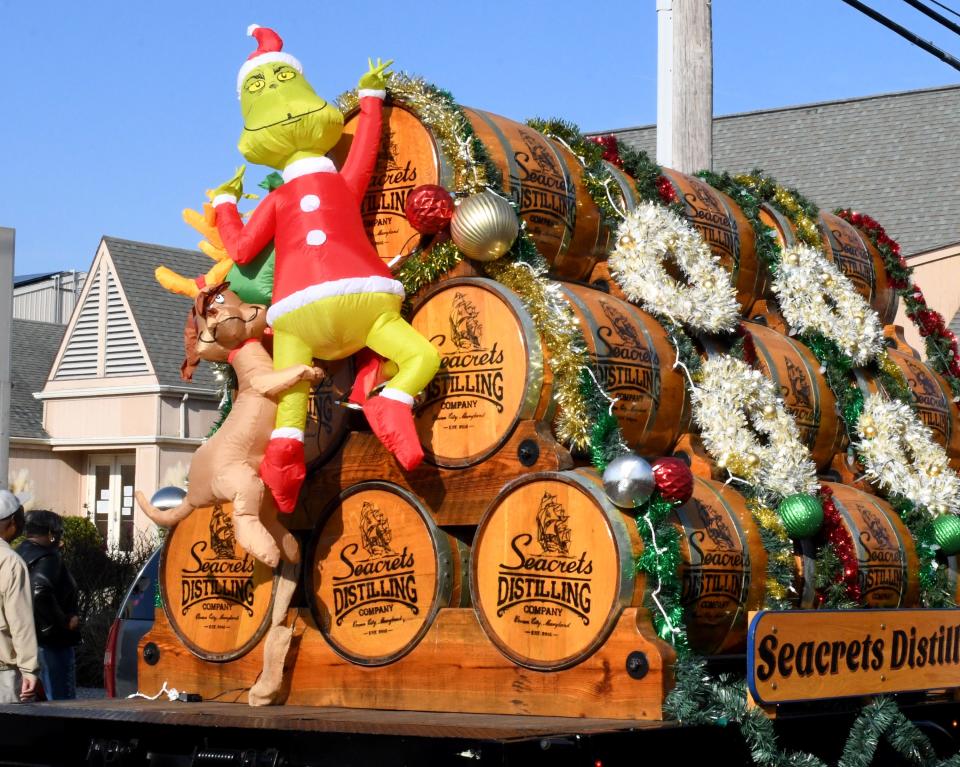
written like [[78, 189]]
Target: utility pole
[[6, 328], [685, 85]]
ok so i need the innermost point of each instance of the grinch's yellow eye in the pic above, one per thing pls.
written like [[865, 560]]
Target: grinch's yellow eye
[[286, 74], [256, 84]]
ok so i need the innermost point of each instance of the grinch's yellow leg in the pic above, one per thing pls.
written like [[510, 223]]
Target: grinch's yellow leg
[[288, 350], [416, 358]]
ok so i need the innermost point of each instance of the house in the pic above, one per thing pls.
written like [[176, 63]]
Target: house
[[893, 156], [98, 406]]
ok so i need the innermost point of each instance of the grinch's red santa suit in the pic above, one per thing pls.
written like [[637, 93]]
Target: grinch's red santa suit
[[332, 294]]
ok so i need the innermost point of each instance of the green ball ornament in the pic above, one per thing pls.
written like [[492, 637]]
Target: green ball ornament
[[946, 532], [802, 515]]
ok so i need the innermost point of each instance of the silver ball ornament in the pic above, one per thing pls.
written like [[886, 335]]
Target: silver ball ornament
[[484, 226], [628, 481]]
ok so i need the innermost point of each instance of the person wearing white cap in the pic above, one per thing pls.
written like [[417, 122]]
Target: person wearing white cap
[[19, 663]]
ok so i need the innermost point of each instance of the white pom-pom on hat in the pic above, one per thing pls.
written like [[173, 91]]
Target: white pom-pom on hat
[[251, 28]]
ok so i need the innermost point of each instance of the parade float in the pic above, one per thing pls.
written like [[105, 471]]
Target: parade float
[[671, 423]]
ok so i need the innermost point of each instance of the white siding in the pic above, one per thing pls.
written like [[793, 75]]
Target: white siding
[[124, 356], [81, 356]]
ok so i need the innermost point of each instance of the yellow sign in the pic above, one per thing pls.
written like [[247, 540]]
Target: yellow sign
[[796, 656]]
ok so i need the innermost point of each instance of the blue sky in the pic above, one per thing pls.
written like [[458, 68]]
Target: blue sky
[[118, 114]]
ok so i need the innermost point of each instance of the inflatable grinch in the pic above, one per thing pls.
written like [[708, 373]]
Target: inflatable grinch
[[332, 294]]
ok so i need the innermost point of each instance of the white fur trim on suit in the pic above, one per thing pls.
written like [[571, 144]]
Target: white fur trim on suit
[[307, 166], [396, 394], [377, 94], [223, 199], [345, 287], [287, 432], [265, 58]]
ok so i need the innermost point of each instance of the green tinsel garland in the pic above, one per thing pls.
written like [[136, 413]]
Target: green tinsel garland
[[829, 580], [597, 179], [661, 561], [765, 238], [701, 699]]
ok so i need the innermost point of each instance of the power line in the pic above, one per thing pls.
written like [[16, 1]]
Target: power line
[[905, 33], [946, 8], [953, 27]]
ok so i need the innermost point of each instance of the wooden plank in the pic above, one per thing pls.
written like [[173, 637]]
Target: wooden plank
[[340, 720], [454, 668], [455, 496]]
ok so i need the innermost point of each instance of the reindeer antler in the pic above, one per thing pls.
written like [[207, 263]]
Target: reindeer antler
[[212, 245]]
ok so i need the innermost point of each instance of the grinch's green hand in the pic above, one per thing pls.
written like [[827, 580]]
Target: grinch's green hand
[[376, 78], [234, 186]]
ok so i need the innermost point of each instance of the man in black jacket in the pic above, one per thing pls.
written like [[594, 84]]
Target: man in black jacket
[[55, 605]]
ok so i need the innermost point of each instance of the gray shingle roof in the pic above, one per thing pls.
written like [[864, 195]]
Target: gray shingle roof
[[33, 348], [160, 315], [895, 157]]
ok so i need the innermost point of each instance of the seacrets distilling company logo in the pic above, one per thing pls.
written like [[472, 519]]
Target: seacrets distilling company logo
[[798, 397], [882, 564], [377, 582], [542, 577], [546, 198], [391, 183], [852, 258], [932, 405], [714, 222], [628, 365], [471, 373], [718, 574], [217, 576]]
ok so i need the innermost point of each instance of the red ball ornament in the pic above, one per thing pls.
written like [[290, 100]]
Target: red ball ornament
[[673, 479], [429, 208]]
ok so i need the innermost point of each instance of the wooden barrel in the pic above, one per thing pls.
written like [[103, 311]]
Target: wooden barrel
[[633, 357], [494, 371], [378, 571], [888, 568], [217, 598], [542, 176], [933, 397], [724, 567], [327, 420], [796, 373], [552, 568], [726, 230], [860, 262]]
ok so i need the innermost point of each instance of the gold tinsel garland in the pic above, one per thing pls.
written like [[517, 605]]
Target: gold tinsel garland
[[523, 269]]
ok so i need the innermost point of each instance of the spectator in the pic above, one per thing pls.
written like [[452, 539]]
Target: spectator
[[55, 609], [18, 638]]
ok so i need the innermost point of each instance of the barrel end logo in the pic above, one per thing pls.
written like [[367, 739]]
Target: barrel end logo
[[217, 576], [372, 587], [623, 327], [544, 584], [716, 527]]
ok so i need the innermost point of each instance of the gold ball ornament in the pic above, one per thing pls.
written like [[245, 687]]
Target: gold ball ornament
[[626, 241], [484, 226]]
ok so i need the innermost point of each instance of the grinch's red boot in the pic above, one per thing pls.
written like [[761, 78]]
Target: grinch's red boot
[[369, 365], [283, 470], [392, 422]]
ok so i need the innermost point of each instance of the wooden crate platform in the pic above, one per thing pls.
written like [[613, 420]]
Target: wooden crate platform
[[454, 668]]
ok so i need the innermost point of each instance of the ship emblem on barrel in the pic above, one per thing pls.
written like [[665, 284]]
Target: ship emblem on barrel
[[553, 533], [881, 559], [465, 326], [375, 530]]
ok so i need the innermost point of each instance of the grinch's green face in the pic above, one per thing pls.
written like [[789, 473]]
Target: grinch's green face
[[282, 116]]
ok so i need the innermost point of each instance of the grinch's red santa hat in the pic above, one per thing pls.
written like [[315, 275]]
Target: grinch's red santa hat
[[269, 48]]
